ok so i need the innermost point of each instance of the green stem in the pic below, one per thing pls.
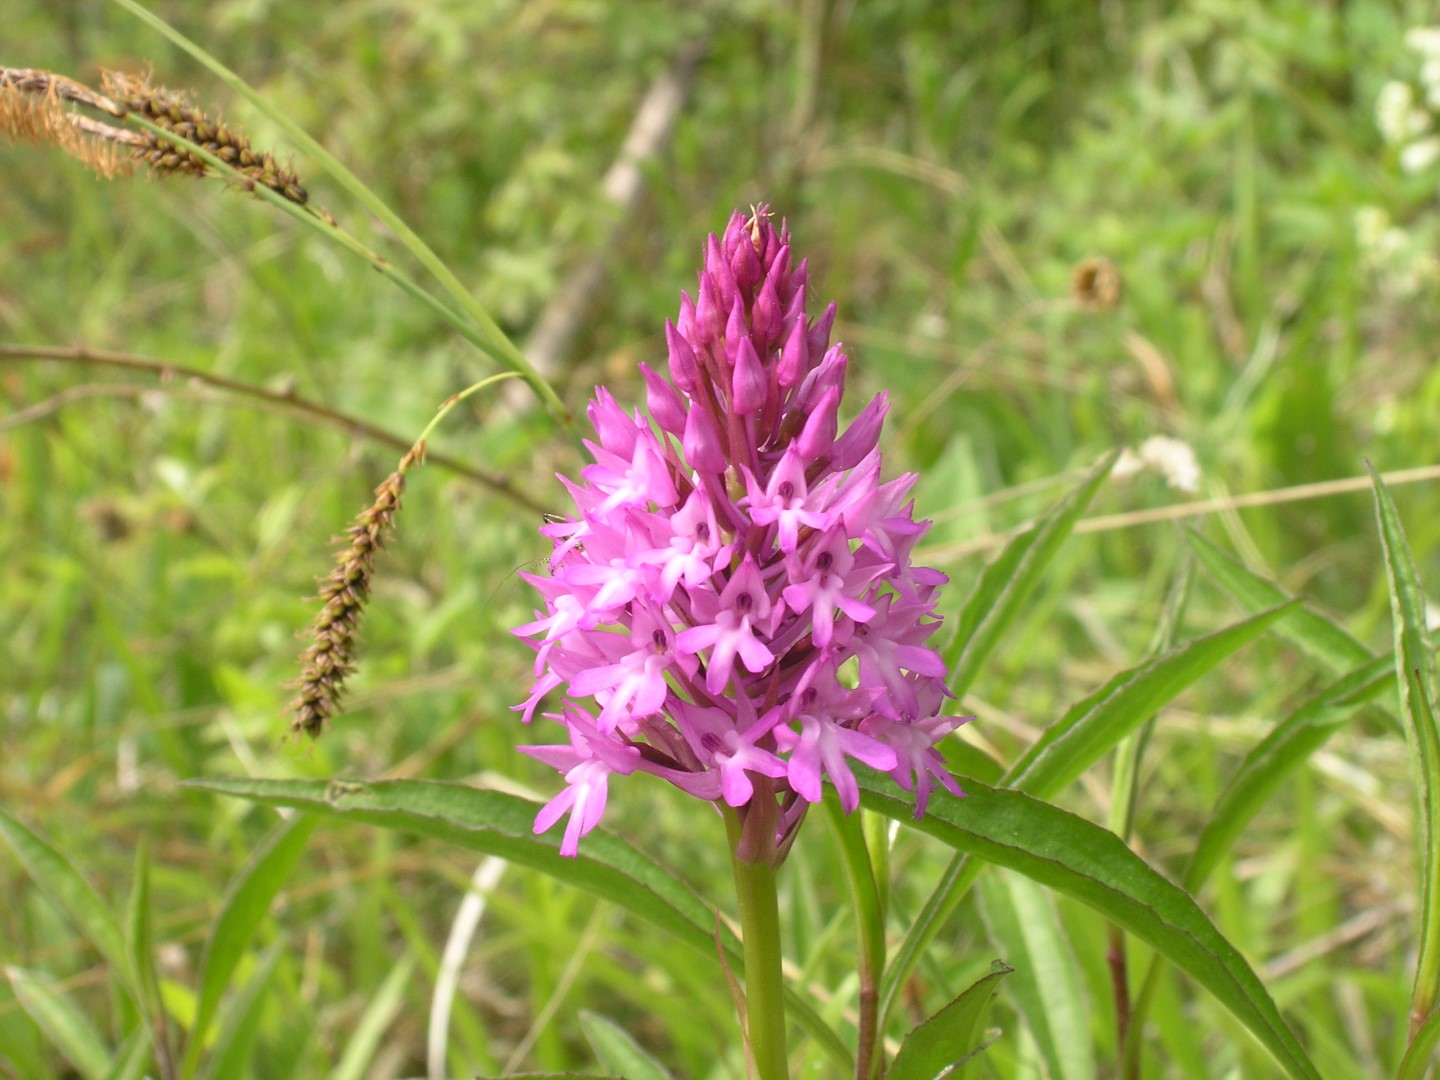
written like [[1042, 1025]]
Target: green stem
[[764, 985], [488, 337], [1424, 1039]]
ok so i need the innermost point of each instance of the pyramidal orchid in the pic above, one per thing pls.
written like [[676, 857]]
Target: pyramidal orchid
[[732, 606]]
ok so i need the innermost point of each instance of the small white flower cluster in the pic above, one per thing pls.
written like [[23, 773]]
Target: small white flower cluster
[[1405, 115], [1400, 257], [1171, 458]]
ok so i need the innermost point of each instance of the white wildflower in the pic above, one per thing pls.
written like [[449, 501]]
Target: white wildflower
[[1392, 111], [1171, 458], [1425, 40], [1419, 156], [1430, 77], [1370, 224]]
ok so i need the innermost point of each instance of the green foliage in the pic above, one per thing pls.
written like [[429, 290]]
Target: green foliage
[[945, 166]]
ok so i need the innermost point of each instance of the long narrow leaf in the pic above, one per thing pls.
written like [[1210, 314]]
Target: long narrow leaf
[[1023, 923], [1287, 747], [489, 336], [1008, 582], [379, 1014], [500, 824], [58, 879], [132, 1060], [235, 1043], [1415, 672], [1093, 726], [246, 903], [140, 941], [64, 1024], [618, 1051], [1314, 634], [1085, 734], [1079, 858]]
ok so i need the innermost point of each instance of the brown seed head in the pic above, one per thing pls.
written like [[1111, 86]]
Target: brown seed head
[[175, 113], [330, 656], [1096, 284]]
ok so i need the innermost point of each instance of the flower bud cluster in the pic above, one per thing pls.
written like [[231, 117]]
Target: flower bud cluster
[[732, 606]]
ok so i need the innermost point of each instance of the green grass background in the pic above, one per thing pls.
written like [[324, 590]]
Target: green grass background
[[944, 167]]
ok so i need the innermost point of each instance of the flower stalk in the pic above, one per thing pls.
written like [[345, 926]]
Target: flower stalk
[[755, 890]]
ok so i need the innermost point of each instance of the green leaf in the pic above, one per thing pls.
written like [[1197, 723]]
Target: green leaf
[[245, 905], [230, 1055], [1415, 672], [1079, 858], [1066, 749], [362, 1041], [64, 1024], [950, 1037], [1008, 582], [1024, 926], [133, 1059], [1093, 726], [498, 824], [1287, 747], [1316, 635], [617, 1051], [140, 938], [58, 879]]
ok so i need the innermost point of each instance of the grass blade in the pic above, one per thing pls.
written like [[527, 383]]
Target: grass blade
[[133, 1059], [1008, 582], [1415, 672], [618, 1051], [491, 338], [140, 942], [1287, 747], [246, 903], [360, 1046], [58, 879], [498, 824], [1022, 921], [1318, 636], [64, 1024], [1079, 858], [234, 1045]]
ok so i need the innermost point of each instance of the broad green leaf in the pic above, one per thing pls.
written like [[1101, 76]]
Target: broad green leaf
[[245, 905], [1079, 858], [1092, 727], [133, 1059], [952, 1035], [64, 1024], [235, 1043], [618, 1051], [498, 824], [1415, 672], [1023, 924], [1008, 582], [1316, 635], [1085, 734], [53, 873], [379, 1014], [1287, 747]]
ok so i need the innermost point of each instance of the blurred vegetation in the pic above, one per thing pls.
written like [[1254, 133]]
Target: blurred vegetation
[[944, 167]]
